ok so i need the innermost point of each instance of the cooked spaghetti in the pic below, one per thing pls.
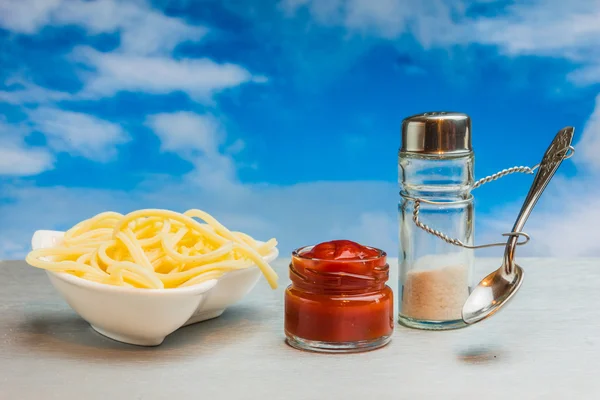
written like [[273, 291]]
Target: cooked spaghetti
[[155, 249]]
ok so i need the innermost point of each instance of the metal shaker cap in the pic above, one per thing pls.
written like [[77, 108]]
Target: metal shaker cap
[[437, 133]]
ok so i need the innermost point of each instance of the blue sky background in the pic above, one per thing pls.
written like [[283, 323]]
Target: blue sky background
[[281, 118]]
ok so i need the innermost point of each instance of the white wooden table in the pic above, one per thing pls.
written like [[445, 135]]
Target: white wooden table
[[544, 345]]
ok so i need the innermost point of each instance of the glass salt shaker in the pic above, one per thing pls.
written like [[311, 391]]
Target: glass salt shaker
[[435, 171]]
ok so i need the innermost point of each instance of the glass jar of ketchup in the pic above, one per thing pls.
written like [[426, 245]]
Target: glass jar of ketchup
[[338, 300]]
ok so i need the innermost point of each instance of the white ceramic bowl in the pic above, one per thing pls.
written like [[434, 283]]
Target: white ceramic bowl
[[146, 316]]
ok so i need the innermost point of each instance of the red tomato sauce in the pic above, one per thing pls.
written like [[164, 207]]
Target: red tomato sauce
[[339, 294]]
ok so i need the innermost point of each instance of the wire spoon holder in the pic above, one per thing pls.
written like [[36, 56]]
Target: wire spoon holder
[[564, 153]]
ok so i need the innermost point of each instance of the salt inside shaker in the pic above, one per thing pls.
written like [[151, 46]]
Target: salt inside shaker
[[435, 171]]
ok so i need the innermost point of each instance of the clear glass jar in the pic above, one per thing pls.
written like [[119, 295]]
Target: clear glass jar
[[338, 305], [435, 277]]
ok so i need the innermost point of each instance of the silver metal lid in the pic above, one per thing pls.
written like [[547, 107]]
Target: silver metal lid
[[437, 133]]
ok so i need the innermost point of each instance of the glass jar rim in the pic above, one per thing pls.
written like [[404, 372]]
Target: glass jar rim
[[298, 253], [304, 273]]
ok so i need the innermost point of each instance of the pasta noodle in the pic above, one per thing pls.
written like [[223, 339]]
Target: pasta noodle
[[155, 249]]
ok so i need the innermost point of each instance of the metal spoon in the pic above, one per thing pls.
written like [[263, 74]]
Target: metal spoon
[[496, 289]]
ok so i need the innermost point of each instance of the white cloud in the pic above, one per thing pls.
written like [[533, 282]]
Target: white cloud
[[198, 139], [24, 161], [143, 30], [70, 132], [389, 18], [588, 147], [428, 20], [236, 147], [154, 33], [142, 62], [200, 78], [78, 134], [554, 28], [16, 157], [31, 94], [26, 16], [568, 29], [534, 27], [217, 172], [586, 75], [186, 131]]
